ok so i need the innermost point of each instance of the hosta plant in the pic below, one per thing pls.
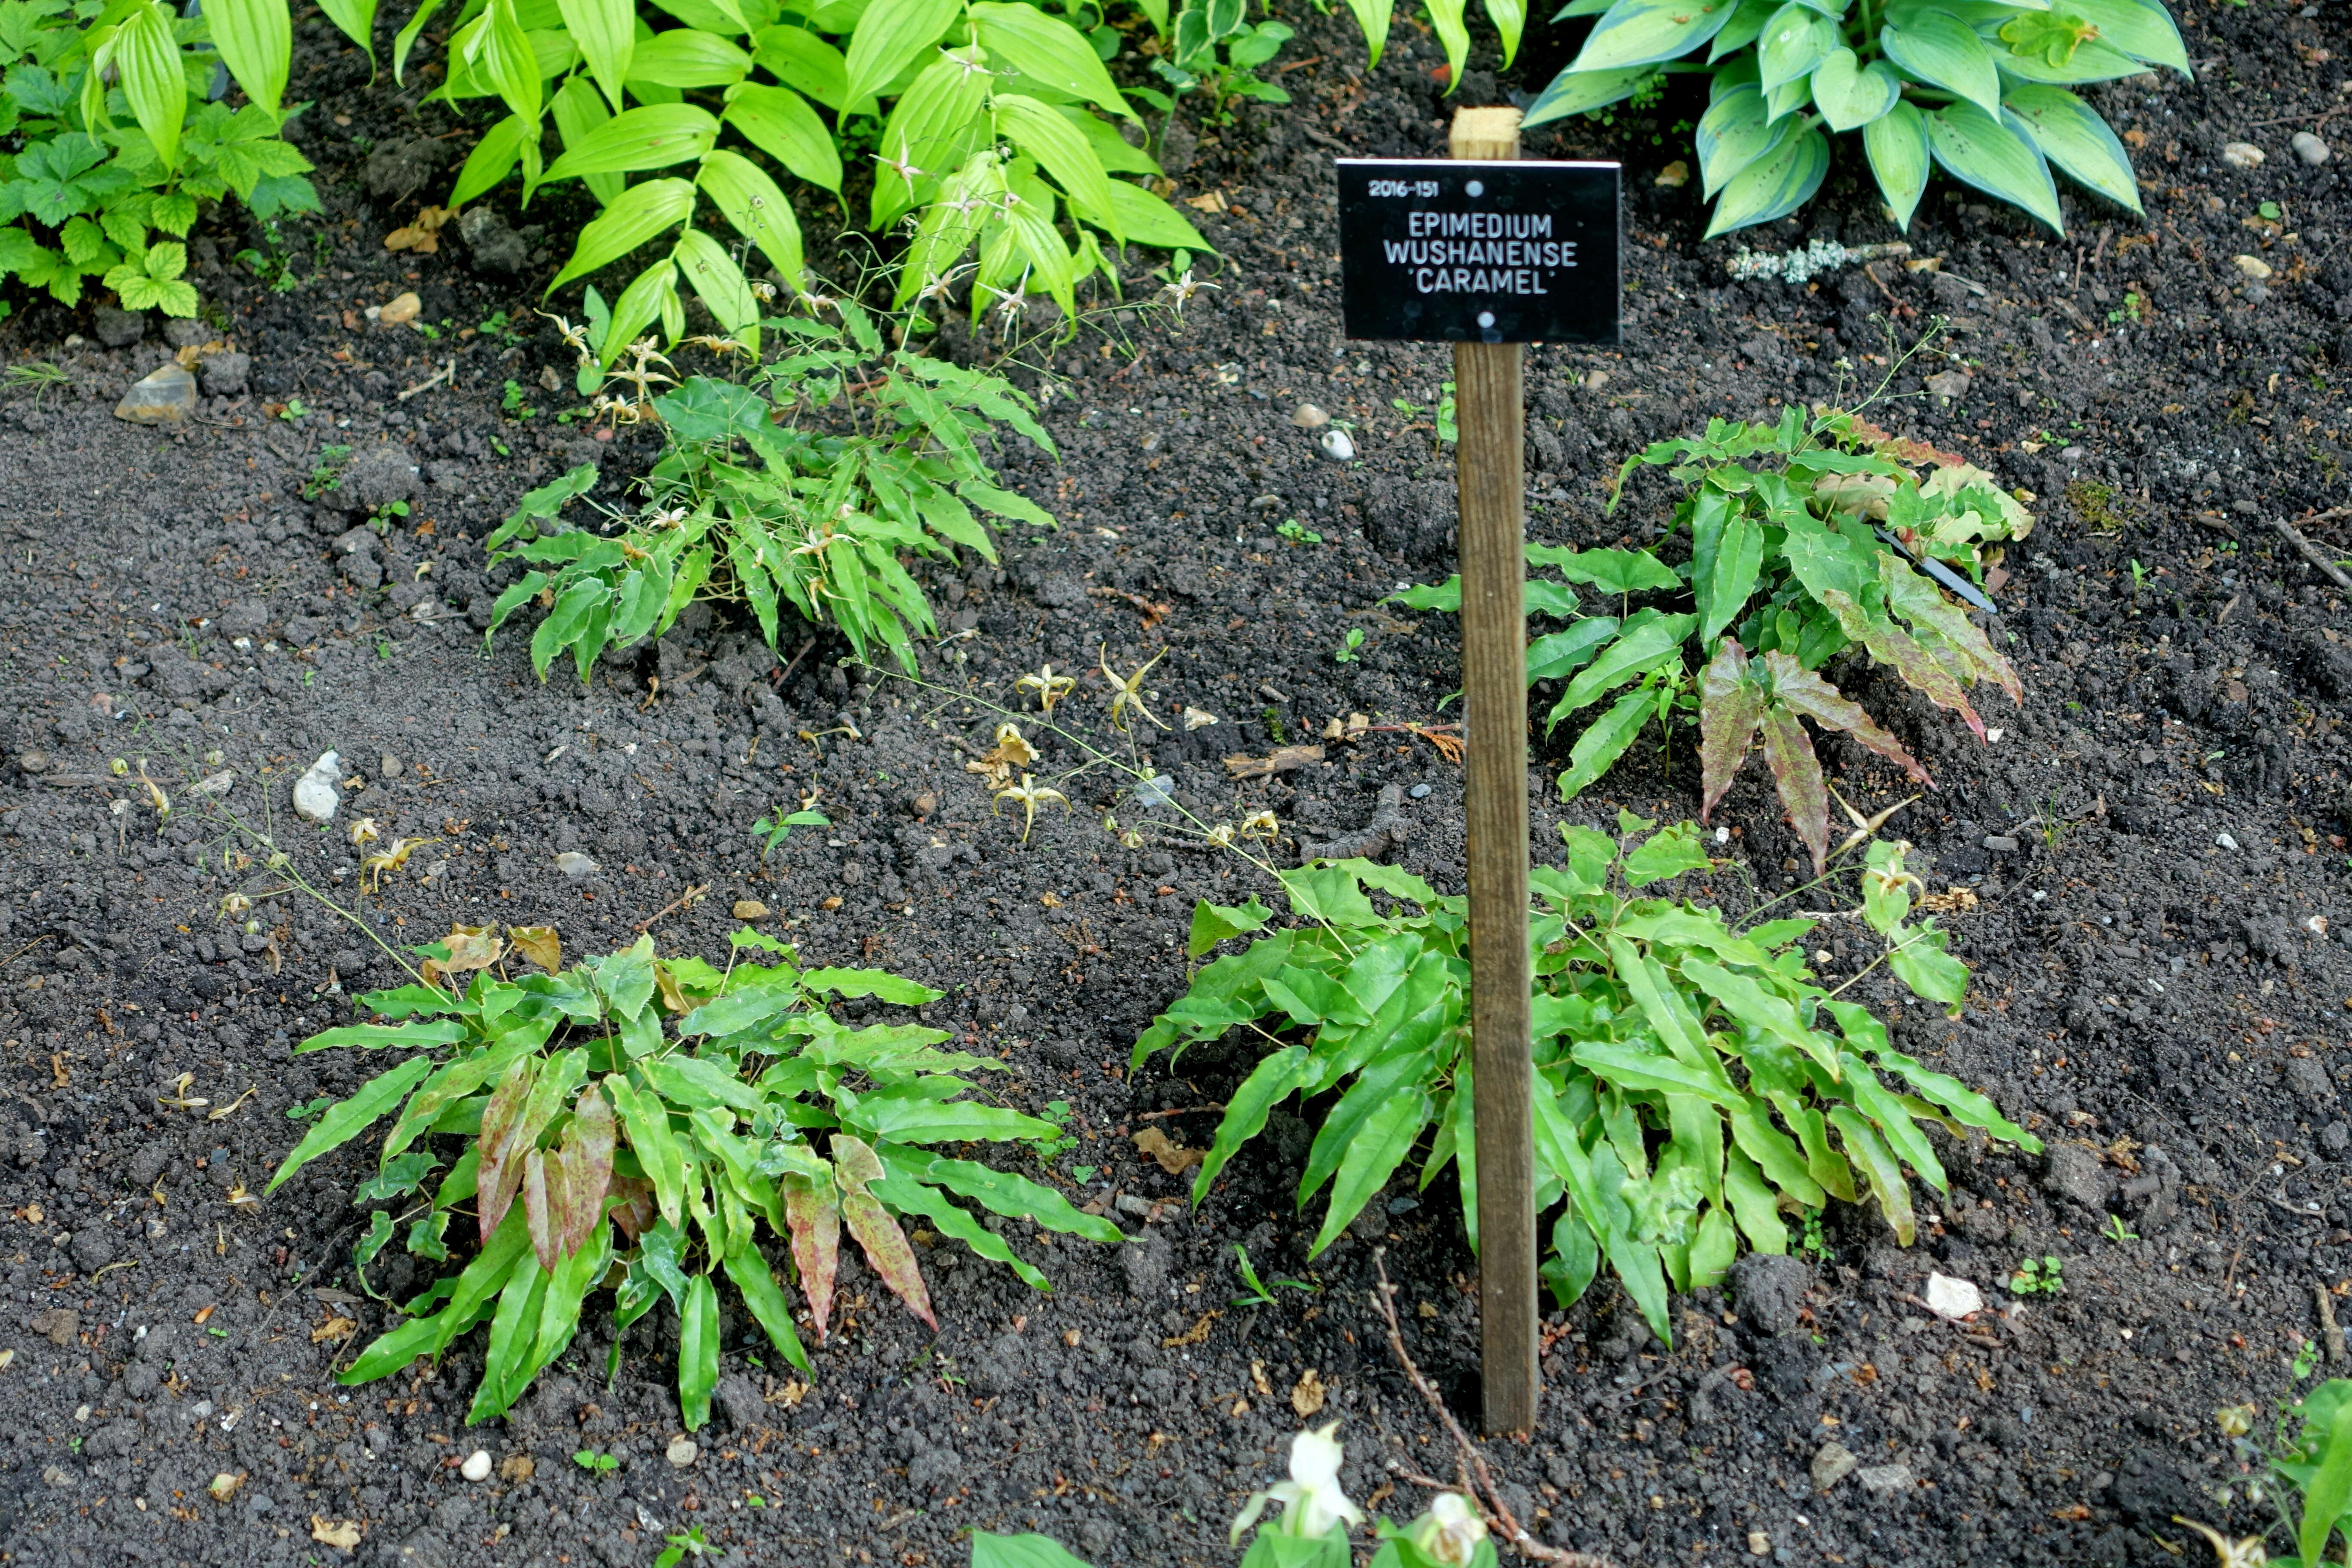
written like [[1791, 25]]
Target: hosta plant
[[658, 1126], [992, 126], [110, 139], [1804, 537], [1975, 88], [1694, 1084], [797, 490]]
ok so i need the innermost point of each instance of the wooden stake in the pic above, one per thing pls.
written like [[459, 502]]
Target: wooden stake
[[1488, 410]]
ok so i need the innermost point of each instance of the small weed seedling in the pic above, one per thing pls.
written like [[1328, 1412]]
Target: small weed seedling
[[1346, 652], [2117, 1232], [596, 1463], [2037, 1276], [293, 410], [36, 377], [304, 1112], [2307, 1361], [1258, 1294], [1813, 1244], [681, 1547], [781, 828], [513, 405], [1061, 1141], [1297, 532]]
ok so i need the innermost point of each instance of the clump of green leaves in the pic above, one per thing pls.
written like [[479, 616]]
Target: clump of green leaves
[[2316, 1471], [1807, 538], [1694, 1083], [113, 140], [655, 1125], [2037, 1276], [798, 490], [1979, 89], [1215, 50]]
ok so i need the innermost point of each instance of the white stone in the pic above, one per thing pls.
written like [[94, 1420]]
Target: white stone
[[681, 1452], [1337, 445], [1952, 1299], [2253, 267], [315, 795], [2309, 148], [575, 865], [477, 1467], [1306, 417], [2243, 155]]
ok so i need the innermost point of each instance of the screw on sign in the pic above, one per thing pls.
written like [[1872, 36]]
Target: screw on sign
[[1488, 252]]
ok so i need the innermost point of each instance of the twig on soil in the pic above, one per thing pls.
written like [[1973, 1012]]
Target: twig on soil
[[1483, 1494], [671, 908], [2312, 552], [447, 372], [2329, 1331], [787, 672]]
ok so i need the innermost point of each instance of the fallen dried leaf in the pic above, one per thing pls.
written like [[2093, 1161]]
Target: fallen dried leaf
[[335, 1328], [1282, 760], [1257, 1379], [342, 1533], [1208, 202], [423, 236], [1172, 1156], [516, 1467], [224, 1485], [1307, 1397], [540, 945], [1197, 1334]]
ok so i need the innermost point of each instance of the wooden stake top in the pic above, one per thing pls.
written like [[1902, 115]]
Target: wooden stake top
[[1485, 135]]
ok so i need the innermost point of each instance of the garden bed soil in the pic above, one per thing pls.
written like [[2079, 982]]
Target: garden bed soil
[[2153, 853]]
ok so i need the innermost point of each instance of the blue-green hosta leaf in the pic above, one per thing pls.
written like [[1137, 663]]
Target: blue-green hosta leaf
[[2090, 60], [1793, 42], [1574, 92], [1746, 24], [1940, 48], [2073, 137], [1850, 94], [1896, 143], [1734, 132], [2143, 31], [1995, 156], [1644, 32], [1773, 186]]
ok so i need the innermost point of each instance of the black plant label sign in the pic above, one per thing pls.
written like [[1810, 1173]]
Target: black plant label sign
[[1475, 252]]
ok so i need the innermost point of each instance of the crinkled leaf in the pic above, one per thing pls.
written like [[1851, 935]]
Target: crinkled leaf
[[878, 1235], [1801, 691], [1730, 705], [346, 1118]]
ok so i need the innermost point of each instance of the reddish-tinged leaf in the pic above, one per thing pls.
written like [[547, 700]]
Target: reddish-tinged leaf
[[1801, 691], [1891, 645], [1919, 601], [885, 1246], [634, 1212], [586, 1161], [500, 1168], [538, 1208], [1729, 705], [814, 1214], [1797, 773]]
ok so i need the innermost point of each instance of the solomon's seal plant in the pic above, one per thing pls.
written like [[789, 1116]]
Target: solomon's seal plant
[[656, 1126], [1976, 88], [1806, 538], [1694, 1084], [110, 137], [796, 491]]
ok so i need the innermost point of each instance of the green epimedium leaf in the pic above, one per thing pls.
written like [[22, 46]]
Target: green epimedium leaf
[[1940, 48], [2071, 134], [1774, 185], [1644, 32], [1897, 145], [1996, 156], [1851, 95]]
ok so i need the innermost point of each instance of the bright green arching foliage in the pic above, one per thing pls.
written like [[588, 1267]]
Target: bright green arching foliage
[[647, 1123], [2317, 1469], [112, 139], [811, 513], [1976, 88], [1693, 1082], [1215, 48], [1794, 531], [993, 126]]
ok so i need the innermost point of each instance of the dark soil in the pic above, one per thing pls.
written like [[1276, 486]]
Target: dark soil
[[2155, 844]]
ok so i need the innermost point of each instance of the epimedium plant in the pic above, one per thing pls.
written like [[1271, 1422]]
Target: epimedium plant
[[797, 490], [114, 138], [652, 1124], [1807, 538], [991, 125], [1694, 1083], [1976, 88]]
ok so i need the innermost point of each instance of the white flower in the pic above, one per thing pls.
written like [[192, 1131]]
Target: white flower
[[1313, 1504], [1450, 1531]]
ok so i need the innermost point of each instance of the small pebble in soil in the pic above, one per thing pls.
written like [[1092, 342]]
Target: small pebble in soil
[[2226, 842], [477, 1467], [2253, 267], [166, 396], [315, 798], [1337, 446], [1306, 417], [1419, 792], [681, 1452], [1156, 790], [1832, 1465], [575, 865], [2242, 155], [749, 910], [2309, 148]]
